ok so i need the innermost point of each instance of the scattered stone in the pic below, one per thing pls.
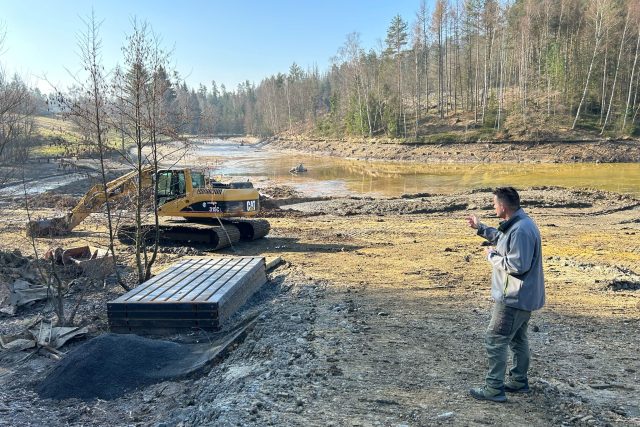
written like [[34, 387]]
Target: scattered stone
[[334, 370], [445, 415]]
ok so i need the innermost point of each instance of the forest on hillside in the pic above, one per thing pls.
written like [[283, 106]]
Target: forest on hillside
[[497, 65], [496, 69]]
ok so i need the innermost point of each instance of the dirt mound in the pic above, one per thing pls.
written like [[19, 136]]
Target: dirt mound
[[108, 366], [279, 192], [470, 152], [587, 202], [50, 199]]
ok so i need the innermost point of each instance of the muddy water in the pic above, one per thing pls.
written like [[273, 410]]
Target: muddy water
[[33, 186], [335, 176]]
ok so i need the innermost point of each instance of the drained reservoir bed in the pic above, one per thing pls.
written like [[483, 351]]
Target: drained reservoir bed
[[192, 293]]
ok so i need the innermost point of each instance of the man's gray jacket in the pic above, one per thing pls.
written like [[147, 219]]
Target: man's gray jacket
[[517, 279]]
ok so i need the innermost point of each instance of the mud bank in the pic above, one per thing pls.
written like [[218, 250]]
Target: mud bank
[[624, 151]]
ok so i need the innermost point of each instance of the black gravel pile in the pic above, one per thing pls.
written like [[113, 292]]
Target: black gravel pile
[[109, 365], [623, 285]]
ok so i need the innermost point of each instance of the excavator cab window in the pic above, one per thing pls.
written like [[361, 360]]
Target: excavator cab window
[[171, 185], [197, 180]]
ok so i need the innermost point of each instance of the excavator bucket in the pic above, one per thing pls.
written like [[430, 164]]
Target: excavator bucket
[[48, 227]]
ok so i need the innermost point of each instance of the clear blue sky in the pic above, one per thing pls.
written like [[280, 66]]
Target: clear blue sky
[[226, 41]]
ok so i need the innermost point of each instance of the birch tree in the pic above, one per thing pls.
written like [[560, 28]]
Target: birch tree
[[598, 12], [615, 76]]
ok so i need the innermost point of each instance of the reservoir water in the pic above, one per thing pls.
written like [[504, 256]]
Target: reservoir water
[[337, 176]]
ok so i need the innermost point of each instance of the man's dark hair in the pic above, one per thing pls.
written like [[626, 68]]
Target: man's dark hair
[[509, 196]]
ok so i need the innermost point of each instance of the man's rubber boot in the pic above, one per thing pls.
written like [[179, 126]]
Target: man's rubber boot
[[488, 393], [513, 386]]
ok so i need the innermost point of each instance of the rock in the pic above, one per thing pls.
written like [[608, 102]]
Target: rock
[[445, 415], [334, 370]]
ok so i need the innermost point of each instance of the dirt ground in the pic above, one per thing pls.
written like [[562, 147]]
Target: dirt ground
[[377, 317], [481, 152]]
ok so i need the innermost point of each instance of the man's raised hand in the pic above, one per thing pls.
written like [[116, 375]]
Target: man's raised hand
[[473, 221]]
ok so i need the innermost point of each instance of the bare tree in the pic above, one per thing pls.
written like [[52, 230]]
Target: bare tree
[[598, 11], [156, 125], [635, 10], [615, 76], [139, 100], [396, 40], [132, 84], [437, 25], [89, 109]]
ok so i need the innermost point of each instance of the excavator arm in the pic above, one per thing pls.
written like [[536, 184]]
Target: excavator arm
[[91, 202]]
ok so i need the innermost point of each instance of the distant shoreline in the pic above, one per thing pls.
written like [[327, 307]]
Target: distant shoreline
[[605, 151]]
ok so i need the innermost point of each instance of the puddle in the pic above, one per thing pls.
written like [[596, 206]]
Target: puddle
[[43, 185]]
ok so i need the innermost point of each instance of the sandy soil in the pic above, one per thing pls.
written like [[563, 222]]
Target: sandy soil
[[377, 318]]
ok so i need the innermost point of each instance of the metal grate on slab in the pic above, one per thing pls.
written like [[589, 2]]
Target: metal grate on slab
[[192, 293]]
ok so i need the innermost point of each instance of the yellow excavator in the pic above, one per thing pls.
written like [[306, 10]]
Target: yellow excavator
[[213, 213]]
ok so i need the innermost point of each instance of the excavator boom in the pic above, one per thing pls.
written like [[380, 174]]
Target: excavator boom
[[92, 201]]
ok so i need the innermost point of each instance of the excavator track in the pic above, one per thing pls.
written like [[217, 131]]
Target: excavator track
[[214, 237], [250, 229]]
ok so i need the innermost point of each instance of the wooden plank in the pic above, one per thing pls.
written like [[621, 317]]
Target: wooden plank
[[233, 301], [273, 263], [202, 294], [253, 282], [171, 271], [137, 294], [165, 323], [231, 279], [151, 315], [159, 332], [218, 297], [194, 293], [167, 306], [166, 283], [192, 280]]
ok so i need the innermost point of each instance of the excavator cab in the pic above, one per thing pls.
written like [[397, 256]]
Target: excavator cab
[[198, 179], [172, 184]]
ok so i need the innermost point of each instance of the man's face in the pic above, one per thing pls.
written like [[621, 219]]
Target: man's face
[[501, 211]]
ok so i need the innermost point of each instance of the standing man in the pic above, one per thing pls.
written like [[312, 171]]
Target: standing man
[[517, 287]]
